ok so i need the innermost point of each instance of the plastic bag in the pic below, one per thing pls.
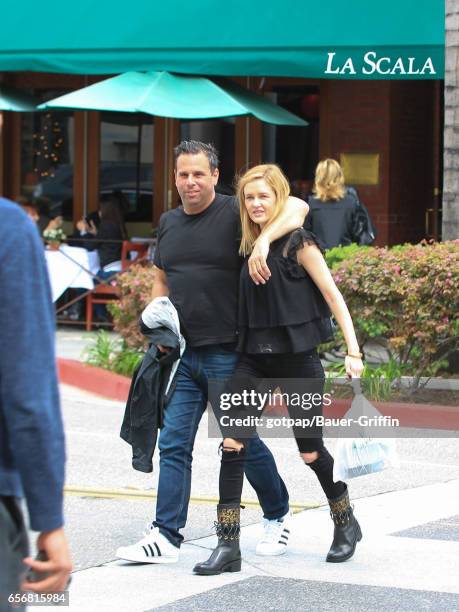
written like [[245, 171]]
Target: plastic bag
[[359, 456], [365, 452]]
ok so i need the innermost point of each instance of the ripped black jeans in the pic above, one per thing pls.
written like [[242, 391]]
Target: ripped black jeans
[[299, 372]]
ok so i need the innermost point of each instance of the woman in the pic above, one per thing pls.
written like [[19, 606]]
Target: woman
[[106, 237], [105, 234], [335, 214], [281, 323]]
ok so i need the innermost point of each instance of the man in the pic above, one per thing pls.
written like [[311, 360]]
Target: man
[[197, 265], [32, 452]]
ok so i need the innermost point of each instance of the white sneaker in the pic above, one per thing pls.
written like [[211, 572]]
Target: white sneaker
[[275, 536], [152, 548]]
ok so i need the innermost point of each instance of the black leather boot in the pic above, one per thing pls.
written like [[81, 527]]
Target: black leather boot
[[347, 530], [226, 557]]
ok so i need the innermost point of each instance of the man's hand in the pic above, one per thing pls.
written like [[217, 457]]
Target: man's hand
[[163, 349], [258, 269], [58, 566]]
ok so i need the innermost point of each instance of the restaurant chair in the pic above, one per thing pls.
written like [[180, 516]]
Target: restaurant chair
[[106, 293], [129, 247]]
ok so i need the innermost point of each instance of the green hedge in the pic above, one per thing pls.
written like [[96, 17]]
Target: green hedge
[[408, 295]]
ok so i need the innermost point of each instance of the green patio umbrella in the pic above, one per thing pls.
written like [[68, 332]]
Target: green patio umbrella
[[12, 100], [174, 96]]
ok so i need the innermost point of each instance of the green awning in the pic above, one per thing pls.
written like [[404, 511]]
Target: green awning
[[359, 39], [174, 96], [12, 100]]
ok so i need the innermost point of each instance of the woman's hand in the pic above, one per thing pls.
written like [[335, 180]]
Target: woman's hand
[[92, 229], [354, 366], [82, 226], [258, 269]]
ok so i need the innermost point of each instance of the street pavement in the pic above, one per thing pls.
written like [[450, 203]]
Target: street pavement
[[407, 559]]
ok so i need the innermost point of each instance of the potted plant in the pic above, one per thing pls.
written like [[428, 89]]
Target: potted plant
[[54, 237]]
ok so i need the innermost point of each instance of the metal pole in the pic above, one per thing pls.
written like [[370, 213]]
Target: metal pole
[[139, 160], [85, 157], [85, 164], [247, 133], [166, 165]]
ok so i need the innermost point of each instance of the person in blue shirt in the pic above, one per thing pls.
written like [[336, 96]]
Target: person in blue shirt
[[32, 451]]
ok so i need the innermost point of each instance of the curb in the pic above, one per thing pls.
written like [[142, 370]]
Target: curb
[[91, 378], [424, 416], [116, 387]]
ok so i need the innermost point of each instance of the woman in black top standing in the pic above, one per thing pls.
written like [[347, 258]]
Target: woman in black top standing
[[333, 207], [281, 323]]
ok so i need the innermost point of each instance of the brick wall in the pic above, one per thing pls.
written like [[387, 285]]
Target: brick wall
[[396, 120], [412, 158], [451, 134], [358, 122]]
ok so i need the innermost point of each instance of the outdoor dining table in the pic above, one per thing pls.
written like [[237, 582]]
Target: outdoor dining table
[[71, 267]]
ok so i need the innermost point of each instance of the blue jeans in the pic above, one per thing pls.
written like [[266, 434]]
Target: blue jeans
[[181, 420]]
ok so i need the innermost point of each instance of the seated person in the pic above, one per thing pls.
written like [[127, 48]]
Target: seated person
[[106, 237], [42, 221]]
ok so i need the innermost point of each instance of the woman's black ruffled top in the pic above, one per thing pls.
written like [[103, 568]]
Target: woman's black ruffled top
[[288, 314]]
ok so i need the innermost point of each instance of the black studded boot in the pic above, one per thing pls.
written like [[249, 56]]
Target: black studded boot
[[347, 530], [226, 557]]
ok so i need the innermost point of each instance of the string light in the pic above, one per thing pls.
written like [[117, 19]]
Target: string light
[[47, 143]]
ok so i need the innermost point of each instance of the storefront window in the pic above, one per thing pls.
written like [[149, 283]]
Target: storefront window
[[297, 161], [47, 157], [126, 162]]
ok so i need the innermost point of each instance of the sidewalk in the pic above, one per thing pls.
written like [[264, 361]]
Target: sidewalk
[[71, 342], [390, 571], [409, 519], [405, 561]]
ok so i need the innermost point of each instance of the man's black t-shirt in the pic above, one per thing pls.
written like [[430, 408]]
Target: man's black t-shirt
[[199, 254]]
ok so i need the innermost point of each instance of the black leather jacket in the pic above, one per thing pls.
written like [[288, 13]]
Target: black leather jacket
[[147, 399]]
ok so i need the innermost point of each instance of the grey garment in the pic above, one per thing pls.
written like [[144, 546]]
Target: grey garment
[[14, 547]]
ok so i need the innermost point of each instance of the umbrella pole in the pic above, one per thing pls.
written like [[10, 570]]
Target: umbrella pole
[[139, 159], [247, 132], [166, 165], [85, 164]]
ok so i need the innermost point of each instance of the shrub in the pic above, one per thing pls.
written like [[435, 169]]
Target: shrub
[[408, 294], [112, 354], [334, 257], [135, 285]]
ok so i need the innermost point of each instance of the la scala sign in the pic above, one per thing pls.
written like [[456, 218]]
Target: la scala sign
[[372, 64]]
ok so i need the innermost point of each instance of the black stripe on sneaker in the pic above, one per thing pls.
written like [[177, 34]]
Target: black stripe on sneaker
[[283, 538], [157, 549], [146, 551], [286, 530], [151, 550], [282, 542]]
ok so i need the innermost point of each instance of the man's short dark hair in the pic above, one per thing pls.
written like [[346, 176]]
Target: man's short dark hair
[[194, 147]]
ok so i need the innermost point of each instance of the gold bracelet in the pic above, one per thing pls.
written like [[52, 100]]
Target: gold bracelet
[[358, 356]]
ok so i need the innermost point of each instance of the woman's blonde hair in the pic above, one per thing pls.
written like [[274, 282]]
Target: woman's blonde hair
[[274, 177], [329, 181]]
